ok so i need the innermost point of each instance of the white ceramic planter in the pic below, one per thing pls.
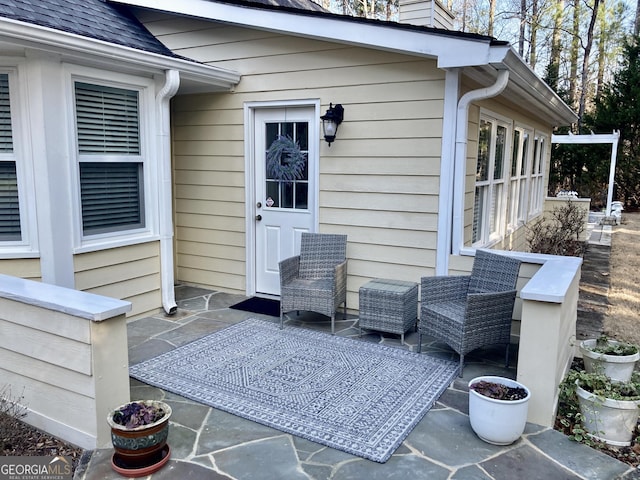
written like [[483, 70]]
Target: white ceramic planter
[[500, 422], [616, 367], [612, 421]]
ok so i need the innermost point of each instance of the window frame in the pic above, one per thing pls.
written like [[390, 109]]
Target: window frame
[[492, 222], [27, 245], [537, 174], [519, 182], [85, 242]]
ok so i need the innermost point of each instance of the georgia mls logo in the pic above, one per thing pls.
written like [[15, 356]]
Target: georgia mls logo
[[35, 468]]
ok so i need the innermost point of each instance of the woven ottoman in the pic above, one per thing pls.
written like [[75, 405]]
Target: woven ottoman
[[388, 306]]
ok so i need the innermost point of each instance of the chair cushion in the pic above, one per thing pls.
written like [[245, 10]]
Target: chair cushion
[[453, 310], [309, 285]]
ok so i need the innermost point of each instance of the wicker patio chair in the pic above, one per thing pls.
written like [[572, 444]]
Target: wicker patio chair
[[471, 311], [315, 280]]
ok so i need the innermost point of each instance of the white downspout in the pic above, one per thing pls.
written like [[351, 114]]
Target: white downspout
[[462, 126], [165, 199]]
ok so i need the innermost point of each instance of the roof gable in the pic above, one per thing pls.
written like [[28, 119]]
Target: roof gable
[[95, 19]]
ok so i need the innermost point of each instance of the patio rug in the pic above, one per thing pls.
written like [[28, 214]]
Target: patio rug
[[358, 397], [266, 306]]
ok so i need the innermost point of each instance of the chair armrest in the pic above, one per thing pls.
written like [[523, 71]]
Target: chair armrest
[[444, 288], [490, 308], [289, 268], [340, 276]]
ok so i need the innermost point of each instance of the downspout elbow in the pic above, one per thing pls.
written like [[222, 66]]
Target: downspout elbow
[[168, 91], [462, 122]]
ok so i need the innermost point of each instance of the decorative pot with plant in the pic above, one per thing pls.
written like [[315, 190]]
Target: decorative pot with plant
[[614, 359], [498, 409], [609, 409], [139, 433]]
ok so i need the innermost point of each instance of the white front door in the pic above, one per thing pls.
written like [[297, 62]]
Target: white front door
[[285, 207]]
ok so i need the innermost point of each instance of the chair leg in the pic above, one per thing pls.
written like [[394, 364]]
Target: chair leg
[[506, 356], [344, 312], [281, 320], [461, 365], [333, 323], [419, 342]]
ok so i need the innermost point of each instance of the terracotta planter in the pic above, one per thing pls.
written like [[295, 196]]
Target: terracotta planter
[[616, 367], [499, 422], [142, 446], [611, 421]]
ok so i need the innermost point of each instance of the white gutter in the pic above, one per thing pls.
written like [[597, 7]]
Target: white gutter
[[462, 125], [170, 88]]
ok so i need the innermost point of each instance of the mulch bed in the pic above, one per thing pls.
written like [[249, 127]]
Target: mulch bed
[[20, 439]]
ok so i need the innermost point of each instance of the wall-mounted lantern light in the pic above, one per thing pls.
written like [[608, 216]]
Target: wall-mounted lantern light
[[330, 122]]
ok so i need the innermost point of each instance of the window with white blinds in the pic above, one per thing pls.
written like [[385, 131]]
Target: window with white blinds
[[107, 120], [111, 196], [10, 229], [111, 167]]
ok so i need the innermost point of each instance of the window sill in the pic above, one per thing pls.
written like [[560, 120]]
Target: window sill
[[107, 243], [8, 253]]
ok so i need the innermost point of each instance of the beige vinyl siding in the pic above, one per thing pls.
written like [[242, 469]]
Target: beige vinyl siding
[[378, 183], [129, 273], [28, 268]]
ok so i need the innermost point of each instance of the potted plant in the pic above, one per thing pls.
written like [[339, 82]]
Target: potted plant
[[615, 359], [139, 433], [609, 409], [498, 409]]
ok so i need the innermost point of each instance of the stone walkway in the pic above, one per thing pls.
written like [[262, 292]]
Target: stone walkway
[[210, 444], [593, 300]]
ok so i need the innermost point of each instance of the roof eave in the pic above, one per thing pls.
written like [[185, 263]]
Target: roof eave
[[533, 86], [108, 55], [451, 49]]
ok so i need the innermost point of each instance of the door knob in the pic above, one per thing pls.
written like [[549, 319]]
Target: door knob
[[258, 217], [259, 205]]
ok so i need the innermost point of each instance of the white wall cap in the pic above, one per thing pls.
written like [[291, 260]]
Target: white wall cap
[[72, 302]]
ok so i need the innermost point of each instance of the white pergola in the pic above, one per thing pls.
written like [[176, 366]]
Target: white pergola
[[592, 139]]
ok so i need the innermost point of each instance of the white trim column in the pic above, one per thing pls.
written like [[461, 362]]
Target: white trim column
[[47, 112]]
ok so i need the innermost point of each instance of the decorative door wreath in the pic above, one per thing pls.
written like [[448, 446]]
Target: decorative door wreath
[[285, 160]]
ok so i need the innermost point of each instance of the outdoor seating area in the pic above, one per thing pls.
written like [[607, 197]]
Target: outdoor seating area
[[464, 311], [207, 443]]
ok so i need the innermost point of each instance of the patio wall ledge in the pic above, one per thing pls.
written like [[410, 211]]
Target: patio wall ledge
[[64, 357], [548, 333]]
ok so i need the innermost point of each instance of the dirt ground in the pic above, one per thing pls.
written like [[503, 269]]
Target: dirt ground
[[622, 320]]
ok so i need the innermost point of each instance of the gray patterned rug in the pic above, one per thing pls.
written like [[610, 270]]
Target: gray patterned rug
[[351, 395]]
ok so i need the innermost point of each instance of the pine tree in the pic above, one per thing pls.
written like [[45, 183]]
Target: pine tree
[[619, 109]]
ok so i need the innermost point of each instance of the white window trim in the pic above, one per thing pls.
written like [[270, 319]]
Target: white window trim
[[148, 147], [27, 247], [490, 238], [536, 181], [521, 179]]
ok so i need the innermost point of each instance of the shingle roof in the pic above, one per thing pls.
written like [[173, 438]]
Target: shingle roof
[[309, 5], [89, 18]]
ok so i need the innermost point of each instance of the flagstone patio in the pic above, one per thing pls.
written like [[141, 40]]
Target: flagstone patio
[[211, 444]]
